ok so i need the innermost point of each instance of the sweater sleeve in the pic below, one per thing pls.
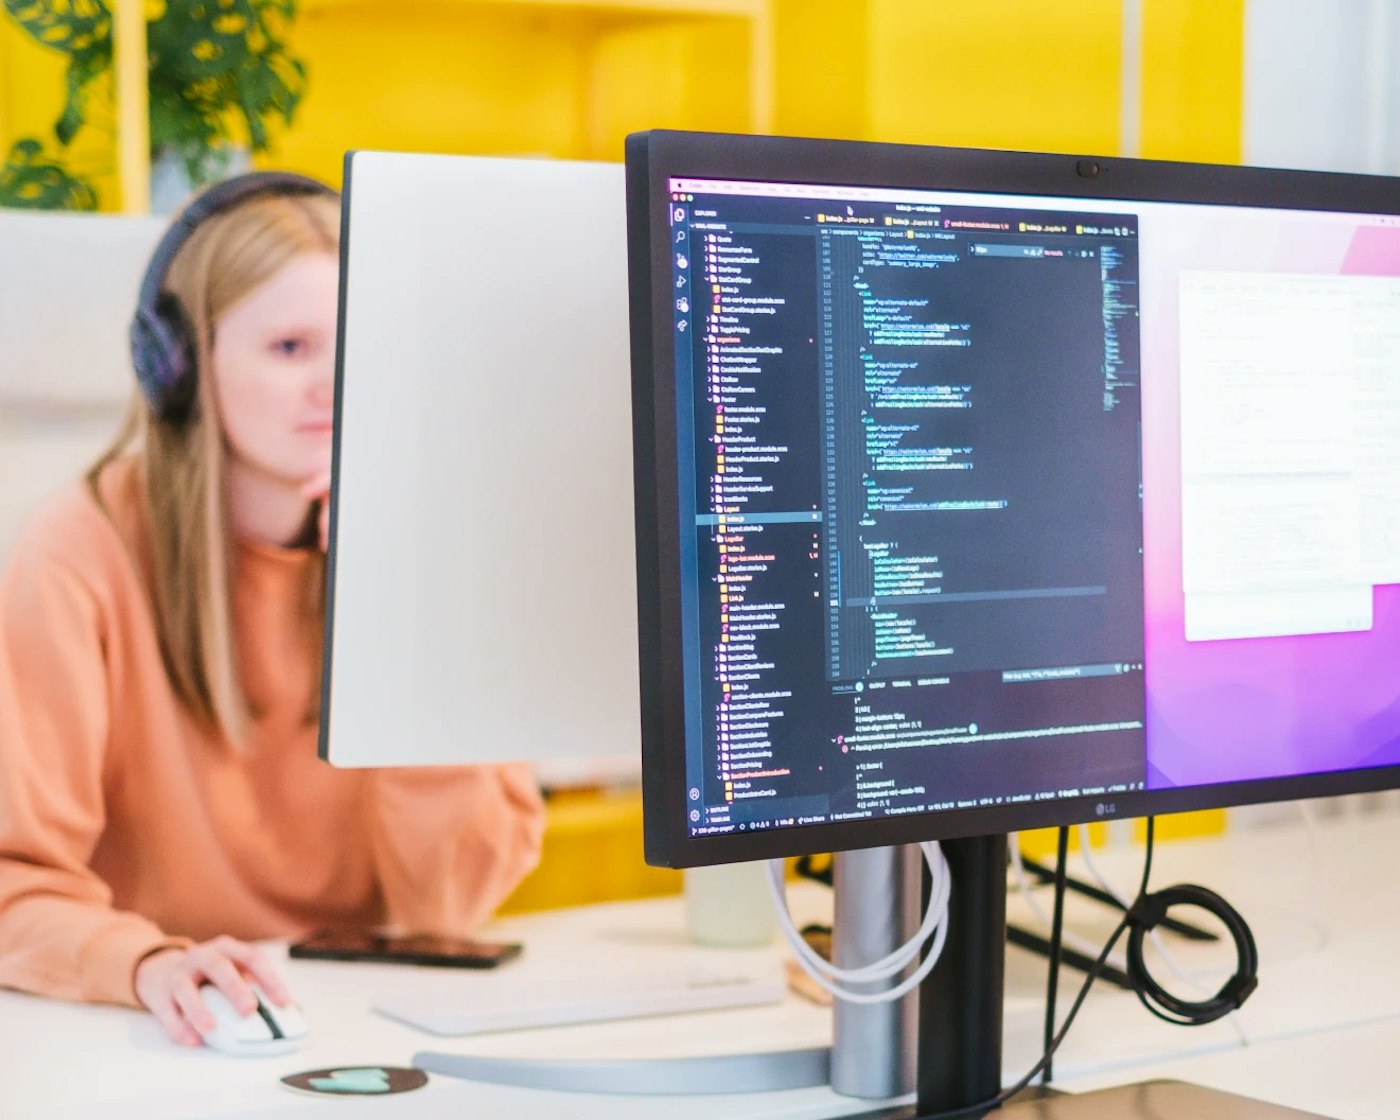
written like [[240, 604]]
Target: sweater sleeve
[[450, 843], [59, 935]]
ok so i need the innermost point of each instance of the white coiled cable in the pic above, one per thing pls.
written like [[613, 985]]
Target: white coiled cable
[[830, 977]]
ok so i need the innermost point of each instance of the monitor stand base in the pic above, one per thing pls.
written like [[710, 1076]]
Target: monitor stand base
[[724, 1073], [876, 910]]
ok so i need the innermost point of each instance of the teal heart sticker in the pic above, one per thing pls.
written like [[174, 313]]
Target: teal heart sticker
[[353, 1081], [357, 1080]]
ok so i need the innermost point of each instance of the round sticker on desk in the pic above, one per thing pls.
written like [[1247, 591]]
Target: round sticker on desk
[[357, 1081]]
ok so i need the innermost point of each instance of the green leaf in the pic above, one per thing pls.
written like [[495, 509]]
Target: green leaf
[[80, 28], [71, 26], [209, 59], [217, 57], [31, 181], [82, 69]]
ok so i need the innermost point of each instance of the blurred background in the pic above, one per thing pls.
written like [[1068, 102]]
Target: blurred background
[[113, 111], [98, 98]]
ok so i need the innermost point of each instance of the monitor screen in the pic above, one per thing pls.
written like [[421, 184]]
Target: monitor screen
[[994, 490]]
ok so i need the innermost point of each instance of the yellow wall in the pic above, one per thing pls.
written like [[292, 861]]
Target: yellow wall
[[1193, 80], [1026, 74], [527, 79], [506, 80], [430, 80], [1037, 74], [685, 74], [821, 64]]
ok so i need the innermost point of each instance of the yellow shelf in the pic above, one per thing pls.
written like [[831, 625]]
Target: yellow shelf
[[566, 79], [133, 119], [561, 78], [593, 850], [592, 853], [665, 9], [570, 78]]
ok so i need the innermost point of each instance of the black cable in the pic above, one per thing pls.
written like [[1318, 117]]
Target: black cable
[[1145, 913], [1057, 923]]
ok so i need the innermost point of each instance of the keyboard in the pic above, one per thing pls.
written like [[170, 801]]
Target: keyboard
[[585, 999]]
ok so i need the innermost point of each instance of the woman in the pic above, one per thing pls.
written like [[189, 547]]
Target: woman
[[161, 799]]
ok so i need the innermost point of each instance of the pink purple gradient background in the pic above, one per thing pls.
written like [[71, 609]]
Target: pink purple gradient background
[[1243, 709]]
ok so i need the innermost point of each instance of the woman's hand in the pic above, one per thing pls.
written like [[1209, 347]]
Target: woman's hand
[[318, 490], [168, 983]]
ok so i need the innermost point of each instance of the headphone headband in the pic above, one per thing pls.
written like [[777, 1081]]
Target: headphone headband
[[162, 348]]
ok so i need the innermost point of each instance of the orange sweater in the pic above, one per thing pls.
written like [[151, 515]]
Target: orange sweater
[[126, 825]]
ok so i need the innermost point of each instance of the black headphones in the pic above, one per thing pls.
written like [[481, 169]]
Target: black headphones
[[162, 344]]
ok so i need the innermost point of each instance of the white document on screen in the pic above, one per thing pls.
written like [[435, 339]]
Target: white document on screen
[[1290, 451]]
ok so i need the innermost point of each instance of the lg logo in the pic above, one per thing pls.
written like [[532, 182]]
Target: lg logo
[[1105, 809]]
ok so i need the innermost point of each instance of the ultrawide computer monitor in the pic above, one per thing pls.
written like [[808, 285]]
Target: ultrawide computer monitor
[[482, 605], [990, 490], [979, 491]]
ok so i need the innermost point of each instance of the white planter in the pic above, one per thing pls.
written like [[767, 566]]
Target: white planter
[[170, 184]]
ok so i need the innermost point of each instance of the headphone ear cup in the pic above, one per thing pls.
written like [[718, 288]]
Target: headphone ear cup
[[162, 353]]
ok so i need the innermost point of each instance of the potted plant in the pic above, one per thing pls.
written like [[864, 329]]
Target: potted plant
[[220, 72]]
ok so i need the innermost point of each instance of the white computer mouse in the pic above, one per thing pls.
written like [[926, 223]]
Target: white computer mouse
[[268, 1030]]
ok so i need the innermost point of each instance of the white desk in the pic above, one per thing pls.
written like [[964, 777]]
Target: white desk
[[64, 1060], [1347, 1073], [1322, 1025]]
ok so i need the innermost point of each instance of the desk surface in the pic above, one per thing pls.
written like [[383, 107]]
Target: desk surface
[[1319, 1030]]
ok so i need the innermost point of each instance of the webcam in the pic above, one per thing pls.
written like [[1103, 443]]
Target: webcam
[[1088, 168]]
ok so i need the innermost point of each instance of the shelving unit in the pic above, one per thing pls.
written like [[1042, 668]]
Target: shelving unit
[[555, 78], [133, 120], [592, 853]]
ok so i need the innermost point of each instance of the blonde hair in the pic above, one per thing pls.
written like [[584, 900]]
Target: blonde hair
[[181, 462]]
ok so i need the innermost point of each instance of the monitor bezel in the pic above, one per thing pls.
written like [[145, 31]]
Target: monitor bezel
[[653, 159]]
